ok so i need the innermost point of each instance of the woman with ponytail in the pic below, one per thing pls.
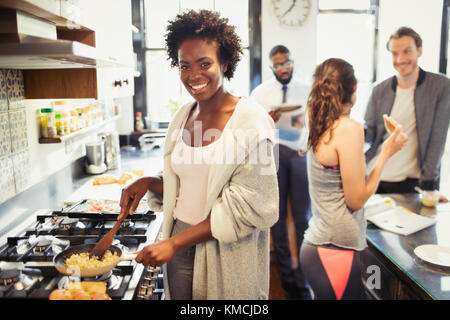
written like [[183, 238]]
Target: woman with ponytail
[[338, 185]]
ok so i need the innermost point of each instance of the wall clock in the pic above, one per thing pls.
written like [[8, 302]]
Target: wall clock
[[291, 13]]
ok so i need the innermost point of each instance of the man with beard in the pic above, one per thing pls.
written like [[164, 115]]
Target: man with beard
[[283, 90], [418, 100]]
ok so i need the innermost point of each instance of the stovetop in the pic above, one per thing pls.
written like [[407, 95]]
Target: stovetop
[[26, 259]]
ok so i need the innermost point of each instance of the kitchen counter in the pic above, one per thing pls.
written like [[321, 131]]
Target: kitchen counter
[[150, 161], [403, 274], [50, 194], [31, 218]]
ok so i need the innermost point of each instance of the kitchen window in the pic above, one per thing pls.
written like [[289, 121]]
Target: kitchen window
[[347, 29], [165, 93]]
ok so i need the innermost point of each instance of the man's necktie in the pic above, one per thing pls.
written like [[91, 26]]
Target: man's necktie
[[284, 93]]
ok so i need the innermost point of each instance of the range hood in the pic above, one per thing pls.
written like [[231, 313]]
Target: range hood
[[40, 53], [27, 42]]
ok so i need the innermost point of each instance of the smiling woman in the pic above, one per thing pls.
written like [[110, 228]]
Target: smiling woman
[[217, 214]]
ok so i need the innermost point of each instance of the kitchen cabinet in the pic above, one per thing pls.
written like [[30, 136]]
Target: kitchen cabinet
[[84, 83], [63, 13], [392, 283], [111, 22], [104, 72], [113, 39]]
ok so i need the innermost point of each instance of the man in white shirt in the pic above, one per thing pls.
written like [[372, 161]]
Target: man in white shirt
[[281, 91], [418, 100]]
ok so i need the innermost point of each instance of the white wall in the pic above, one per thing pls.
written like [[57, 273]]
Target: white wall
[[425, 17], [125, 124], [46, 159], [301, 41]]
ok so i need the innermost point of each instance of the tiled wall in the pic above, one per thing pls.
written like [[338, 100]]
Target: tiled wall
[[14, 151]]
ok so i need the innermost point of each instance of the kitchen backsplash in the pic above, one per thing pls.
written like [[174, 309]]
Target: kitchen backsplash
[[14, 151], [24, 162]]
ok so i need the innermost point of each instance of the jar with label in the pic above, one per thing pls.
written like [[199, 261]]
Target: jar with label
[[59, 124], [65, 121], [48, 126], [81, 119], [73, 121], [86, 116]]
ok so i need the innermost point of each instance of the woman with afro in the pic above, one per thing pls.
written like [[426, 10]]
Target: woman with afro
[[218, 189]]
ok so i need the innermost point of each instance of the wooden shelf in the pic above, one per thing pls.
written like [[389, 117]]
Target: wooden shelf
[[78, 133]]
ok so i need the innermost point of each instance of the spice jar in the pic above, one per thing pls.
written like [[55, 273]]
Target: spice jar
[[59, 124], [65, 122], [81, 119], [48, 126], [73, 120]]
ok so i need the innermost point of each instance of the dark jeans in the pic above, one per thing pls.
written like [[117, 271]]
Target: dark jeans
[[293, 181], [180, 270], [405, 186]]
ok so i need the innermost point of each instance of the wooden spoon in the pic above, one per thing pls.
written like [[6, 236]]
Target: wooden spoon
[[106, 242]]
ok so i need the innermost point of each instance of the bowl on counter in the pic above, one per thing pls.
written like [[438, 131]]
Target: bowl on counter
[[430, 198]]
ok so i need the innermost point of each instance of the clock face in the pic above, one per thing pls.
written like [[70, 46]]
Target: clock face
[[292, 13]]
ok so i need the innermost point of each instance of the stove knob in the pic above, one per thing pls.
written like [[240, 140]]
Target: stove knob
[[151, 277], [146, 282], [142, 291], [149, 294]]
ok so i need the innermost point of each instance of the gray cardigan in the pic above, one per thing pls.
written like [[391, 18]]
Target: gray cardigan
[[432, 109], [242, 200]]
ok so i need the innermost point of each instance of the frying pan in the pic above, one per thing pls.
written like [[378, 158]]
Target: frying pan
[[60, 258]]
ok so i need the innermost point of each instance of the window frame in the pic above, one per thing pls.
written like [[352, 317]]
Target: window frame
[[374, 8]]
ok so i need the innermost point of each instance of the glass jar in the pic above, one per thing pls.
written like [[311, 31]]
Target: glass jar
[[73, 120], [48, 126], [66, 122], [81, 120], [86, 116], [59, 124], [139, 123]]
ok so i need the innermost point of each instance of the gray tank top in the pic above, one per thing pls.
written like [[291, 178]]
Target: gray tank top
[[332, 222]]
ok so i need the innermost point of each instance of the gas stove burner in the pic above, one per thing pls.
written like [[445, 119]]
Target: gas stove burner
[[67, 223], [42, 245], [126, 223], [103, 277], [9, 276]]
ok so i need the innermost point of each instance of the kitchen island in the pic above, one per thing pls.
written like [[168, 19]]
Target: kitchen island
[[390, 268]]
